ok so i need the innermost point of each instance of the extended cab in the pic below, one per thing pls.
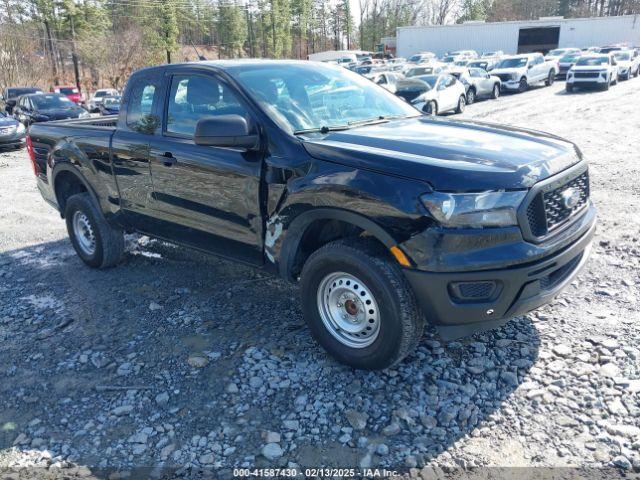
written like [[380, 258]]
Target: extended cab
[[519, 71], [387, 218]]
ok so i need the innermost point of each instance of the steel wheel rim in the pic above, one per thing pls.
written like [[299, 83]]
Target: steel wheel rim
[[496, 91], [461, 104], [471, 96], [348, 310], [83, 233]]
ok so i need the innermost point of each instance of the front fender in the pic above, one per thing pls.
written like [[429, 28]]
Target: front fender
[[385, 206]]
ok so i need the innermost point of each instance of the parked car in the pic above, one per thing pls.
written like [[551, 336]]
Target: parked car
[[109, 106], [612, 48], [423, 57], [12, 132], [628, 63], [464, 54], [429, 69], [439, 94], [99, 96], [43, 107], [387, 80], [597, 70], [493, 54], [566, 62], [72, 93], [518, 72], [486, 64], [558, 53], [387, 219], [478, 83], [11, 95]]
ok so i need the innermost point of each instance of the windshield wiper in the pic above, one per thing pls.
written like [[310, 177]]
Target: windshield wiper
[[376, 120], [323, 129], [353, 123]]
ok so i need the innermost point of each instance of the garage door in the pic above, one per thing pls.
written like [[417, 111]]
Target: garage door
[[538, 39]]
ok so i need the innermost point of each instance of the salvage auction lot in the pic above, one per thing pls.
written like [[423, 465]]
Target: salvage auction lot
[[184, 360]]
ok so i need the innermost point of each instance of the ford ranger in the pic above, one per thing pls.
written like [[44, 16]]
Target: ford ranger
[[387, 218]]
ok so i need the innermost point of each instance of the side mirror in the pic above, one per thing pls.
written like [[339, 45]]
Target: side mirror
[[529, 67], [225, 131]]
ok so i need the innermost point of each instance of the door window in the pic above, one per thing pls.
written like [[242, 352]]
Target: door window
[[140, 108], [193, 97]]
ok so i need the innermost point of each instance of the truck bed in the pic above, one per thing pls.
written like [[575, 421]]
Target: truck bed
[[107, 122]]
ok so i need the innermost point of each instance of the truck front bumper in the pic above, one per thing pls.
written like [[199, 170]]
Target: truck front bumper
[[510, 85], [459, 304]]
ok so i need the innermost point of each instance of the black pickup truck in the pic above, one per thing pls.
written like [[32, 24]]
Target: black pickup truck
[[388, 219]]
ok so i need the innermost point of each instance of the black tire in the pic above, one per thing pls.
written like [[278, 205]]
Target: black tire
[[401, 322], [109, 240], [523, 86], [495, 93], [462, 103], [569, 88], [551, 78], [430, 108], [471, 96]]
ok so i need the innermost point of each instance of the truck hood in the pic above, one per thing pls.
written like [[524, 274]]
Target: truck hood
[[450, 155]]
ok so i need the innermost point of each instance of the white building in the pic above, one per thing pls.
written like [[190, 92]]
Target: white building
[[519, 36]]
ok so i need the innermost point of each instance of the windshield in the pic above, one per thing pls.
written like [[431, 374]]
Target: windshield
[[46, 102], [557, 52], [419, 71], [362, 70], [482, 65], [593, 61], [570, 57], [101, 93], [68, 90], [111, 102], [449, 59], [313, 96], [16, 92], [513, 63], [622, 56], [415, 58]]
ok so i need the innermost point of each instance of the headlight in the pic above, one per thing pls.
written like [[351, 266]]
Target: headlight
[[474, 210], [514, 77]]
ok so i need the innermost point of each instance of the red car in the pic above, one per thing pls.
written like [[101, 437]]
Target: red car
[[72, 93]]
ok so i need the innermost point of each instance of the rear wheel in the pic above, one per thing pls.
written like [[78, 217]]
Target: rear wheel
[[523, 85], [471, 96], [359, 306], [462, 103], [551, 78], [96, 242], [496, 91]]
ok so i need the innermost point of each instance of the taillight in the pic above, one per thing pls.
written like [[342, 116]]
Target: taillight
[[32, 155]]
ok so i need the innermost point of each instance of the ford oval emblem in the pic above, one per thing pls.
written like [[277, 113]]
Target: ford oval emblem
[[571, 198]]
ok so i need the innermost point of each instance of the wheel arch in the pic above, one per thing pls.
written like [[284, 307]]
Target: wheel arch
[[314, 228], [67, 180]]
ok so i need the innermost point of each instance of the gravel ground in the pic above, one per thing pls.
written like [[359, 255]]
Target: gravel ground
[[181, 360]]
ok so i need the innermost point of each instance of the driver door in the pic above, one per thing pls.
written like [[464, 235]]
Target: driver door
[[447, 94], [208, 197]]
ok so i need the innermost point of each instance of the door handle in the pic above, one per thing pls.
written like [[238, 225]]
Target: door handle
[[168, 159]]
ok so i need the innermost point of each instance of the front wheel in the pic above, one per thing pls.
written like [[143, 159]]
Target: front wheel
[[569, 88], [359, 306], [462, 103], [471, 96], [551, 78], [523, 85], [97, 243], [431, 108], [496, 91]]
